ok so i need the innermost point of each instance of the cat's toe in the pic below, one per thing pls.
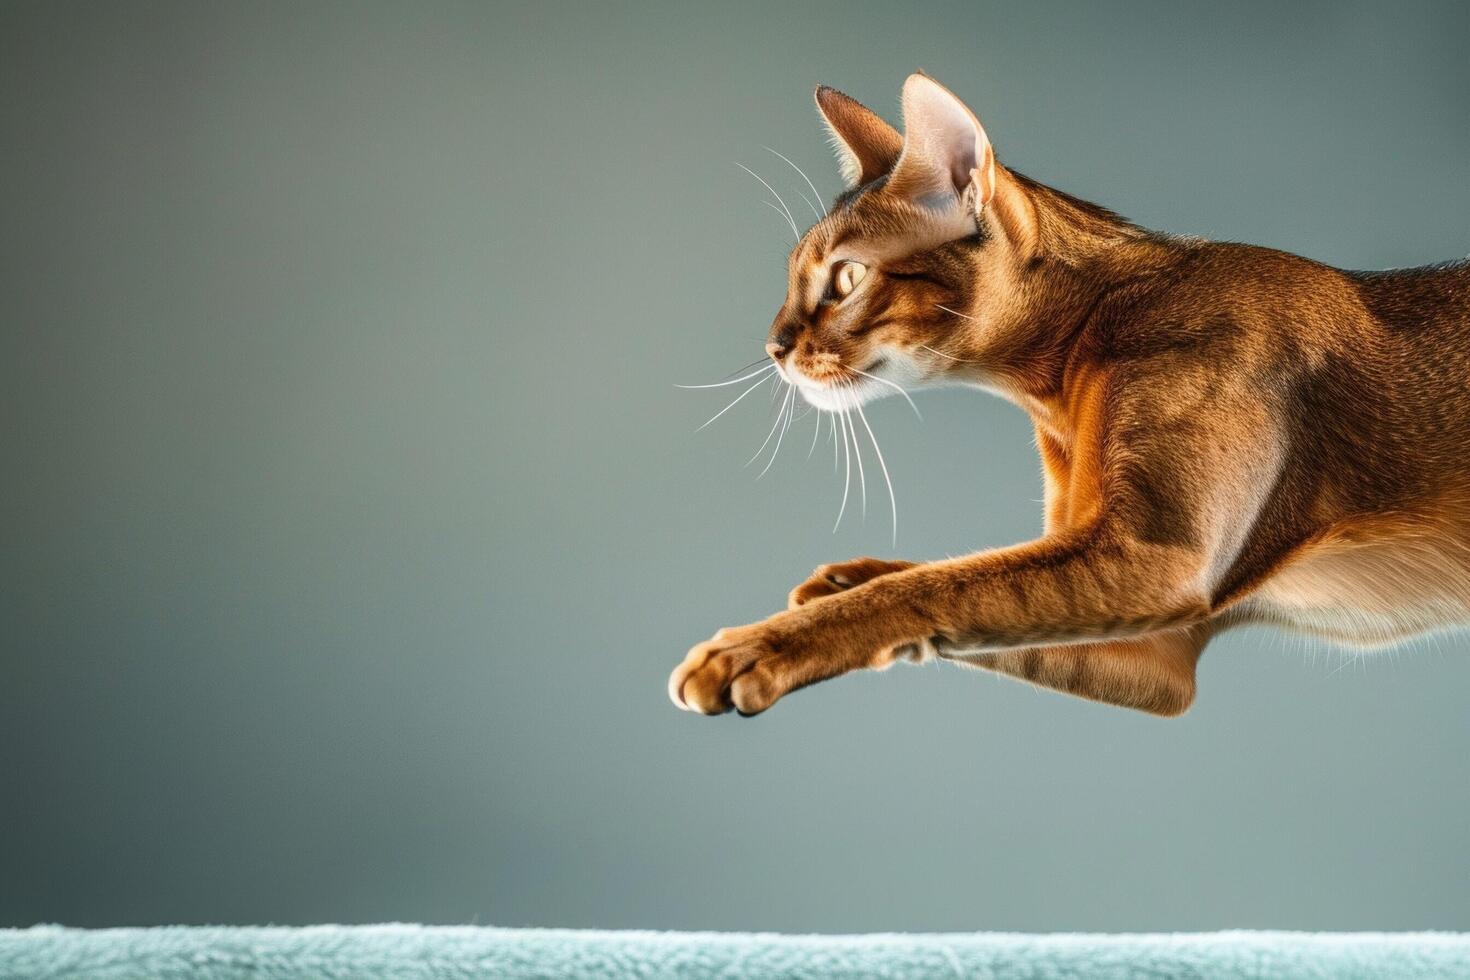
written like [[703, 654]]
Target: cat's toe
[[754, 691], [838, 577], [698, 684], [813, 588]]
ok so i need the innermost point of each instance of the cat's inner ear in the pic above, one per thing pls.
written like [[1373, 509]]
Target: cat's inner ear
[[867, 147], [947, 159]]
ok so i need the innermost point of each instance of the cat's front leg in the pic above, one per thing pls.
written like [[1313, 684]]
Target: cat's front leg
[[838, 577], [1080, 592]]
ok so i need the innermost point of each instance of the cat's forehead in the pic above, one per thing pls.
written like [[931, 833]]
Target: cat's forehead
[[873, 228]]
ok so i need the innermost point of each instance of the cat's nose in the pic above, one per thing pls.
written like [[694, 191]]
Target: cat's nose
[[782, 336]]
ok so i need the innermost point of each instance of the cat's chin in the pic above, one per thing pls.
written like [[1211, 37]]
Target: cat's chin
[[837, 399]]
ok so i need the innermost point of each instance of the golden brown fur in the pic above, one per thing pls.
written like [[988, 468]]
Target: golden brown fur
[[1228, 433]]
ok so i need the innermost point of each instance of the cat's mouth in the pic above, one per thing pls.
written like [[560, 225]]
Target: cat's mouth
[[841, 389]]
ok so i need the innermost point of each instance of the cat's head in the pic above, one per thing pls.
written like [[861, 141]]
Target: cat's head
[[913, 270]]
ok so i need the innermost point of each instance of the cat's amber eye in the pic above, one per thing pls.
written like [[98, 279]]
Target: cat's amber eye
[[847, 277]]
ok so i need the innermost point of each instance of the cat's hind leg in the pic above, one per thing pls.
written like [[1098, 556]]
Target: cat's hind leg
[[1153, 673]]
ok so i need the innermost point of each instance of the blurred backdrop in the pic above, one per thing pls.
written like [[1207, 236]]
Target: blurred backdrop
[[351, 522]]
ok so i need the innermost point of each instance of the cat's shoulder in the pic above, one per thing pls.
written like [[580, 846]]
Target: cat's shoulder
[[1224, 302]]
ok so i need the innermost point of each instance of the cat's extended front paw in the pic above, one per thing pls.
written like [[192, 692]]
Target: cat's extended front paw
[[840, 576], [749, 668], [733, 669]]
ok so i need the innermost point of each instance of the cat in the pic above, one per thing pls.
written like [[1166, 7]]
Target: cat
[[1229, 434]]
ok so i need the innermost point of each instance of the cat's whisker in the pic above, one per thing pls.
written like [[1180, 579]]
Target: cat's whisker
[[738, 399], [809, 203], [791, 415], [755, 363], [816, 434], [815, 193], [779, 416], [832, 435], [790, 410], [955, 312], [783, 213], [941, 353], [723, 384], [884, 381], [847, 476], [857, 450], [784, 209], [892, 501]]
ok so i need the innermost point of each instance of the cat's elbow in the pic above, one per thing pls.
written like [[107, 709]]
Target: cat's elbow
[[1167, 692], [1172, 699]]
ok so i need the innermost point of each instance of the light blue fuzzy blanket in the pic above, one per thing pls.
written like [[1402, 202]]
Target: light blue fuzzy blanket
[[390, 952]]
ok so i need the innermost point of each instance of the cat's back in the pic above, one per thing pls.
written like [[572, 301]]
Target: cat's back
[[1281, 311], [1432, 300], [1366, 375], [1237, 307]]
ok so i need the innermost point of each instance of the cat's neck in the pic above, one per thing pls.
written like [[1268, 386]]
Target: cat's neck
[[1081, 255], [1076, 233]]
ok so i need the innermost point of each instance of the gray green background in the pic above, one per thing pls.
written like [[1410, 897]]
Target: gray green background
[[351, 522]]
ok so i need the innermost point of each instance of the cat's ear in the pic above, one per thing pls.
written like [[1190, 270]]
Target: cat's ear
[[947, 159], [867, 147]]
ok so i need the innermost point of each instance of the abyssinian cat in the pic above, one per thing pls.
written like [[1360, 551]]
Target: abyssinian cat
[[1229, 434]]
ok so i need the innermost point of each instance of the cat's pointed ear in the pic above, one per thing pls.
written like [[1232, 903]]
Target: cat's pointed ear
[[867, 147], [947, 158]]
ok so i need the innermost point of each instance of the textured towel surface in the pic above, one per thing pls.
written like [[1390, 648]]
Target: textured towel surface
[[390, 952]]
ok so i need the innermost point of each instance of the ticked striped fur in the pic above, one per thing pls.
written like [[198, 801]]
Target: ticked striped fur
[[1229, 434]]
